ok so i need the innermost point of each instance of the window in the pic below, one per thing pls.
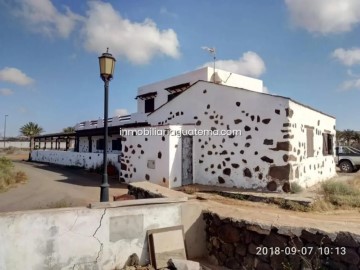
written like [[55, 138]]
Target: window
[[310, 141], [327, 144], [149, 105], [116, 144], [173, 95], [100, 144]]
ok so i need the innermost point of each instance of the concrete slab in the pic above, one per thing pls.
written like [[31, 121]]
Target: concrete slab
[[161, 191]]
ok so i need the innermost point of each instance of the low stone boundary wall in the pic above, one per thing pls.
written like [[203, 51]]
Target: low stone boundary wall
[[240, 245]]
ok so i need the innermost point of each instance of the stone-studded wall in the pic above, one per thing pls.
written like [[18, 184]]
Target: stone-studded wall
[[240, 245], [309, 170], [240, 161], [138, 154], [68, 158]]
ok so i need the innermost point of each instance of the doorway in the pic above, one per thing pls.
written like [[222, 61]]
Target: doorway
[[187, 160]]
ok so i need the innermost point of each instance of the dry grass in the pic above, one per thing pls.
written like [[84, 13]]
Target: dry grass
[[63, 203], [9, 177], [339, 195]]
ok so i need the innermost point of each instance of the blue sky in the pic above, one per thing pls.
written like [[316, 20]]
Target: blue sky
[[308, 50]]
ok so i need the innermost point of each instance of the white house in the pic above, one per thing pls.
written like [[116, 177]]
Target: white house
[[281, 140]]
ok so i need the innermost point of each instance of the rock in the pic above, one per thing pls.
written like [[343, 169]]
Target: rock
[[133, 260], [241, 249], [345, 239], [252, 248], [258, 229], [350, 257], [275, 240], [317, 238], [228, 249], [263, 266], [228, 233], [294, 261], [215, 242], [232, 263], [334, 265]]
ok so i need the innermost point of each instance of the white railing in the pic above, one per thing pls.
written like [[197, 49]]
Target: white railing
[[100, 122]]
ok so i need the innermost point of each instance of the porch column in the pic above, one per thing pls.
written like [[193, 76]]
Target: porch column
[[45, 144], [51, 144], [90, 144], [67, 142], [76, 144]]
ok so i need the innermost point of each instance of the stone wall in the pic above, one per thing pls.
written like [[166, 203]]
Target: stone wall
[[241, 245], [140, 193]]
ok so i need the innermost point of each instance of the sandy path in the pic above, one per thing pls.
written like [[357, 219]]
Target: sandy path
[[47, 185]]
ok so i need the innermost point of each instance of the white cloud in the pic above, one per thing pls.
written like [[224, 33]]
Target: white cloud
[[138, 42], [6, 92], [249, 64], [121, 112], [351, 84], [347, 57], [14, 75], [325, 16], [43, 17]]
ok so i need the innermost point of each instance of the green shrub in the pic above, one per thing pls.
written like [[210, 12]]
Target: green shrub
[[296, 188]]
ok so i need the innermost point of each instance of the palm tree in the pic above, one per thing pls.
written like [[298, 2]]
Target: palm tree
[[339, 137], [348, 135], [30, 130], [69, 130]]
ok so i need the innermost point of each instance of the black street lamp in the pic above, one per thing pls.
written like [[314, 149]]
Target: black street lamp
[[30, 135], [107, 66], [5, 129]]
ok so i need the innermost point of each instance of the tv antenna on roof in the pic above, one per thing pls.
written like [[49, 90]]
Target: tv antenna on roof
[[212, 51]]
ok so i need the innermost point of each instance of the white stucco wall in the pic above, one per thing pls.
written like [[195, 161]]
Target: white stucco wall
[[19, 144], [68, 158], [310, 170], [220, 160], [254, 159], [80, 238], [203, 74]]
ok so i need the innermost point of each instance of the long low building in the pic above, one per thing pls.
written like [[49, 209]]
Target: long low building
[[211, 128]]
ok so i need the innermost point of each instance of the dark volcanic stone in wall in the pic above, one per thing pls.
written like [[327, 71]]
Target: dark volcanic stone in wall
[[268, 142], [237, 121], [227, 171], [267, 159], [282, 146], [286, 187], [272, 186], [247, 172], [266, 121], [147, 177], [280, 172], [289, 112], [221, 180], [238, 103]]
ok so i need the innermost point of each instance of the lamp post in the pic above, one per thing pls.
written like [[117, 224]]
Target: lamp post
[[30, 133], [5, 129], [107, 66]]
